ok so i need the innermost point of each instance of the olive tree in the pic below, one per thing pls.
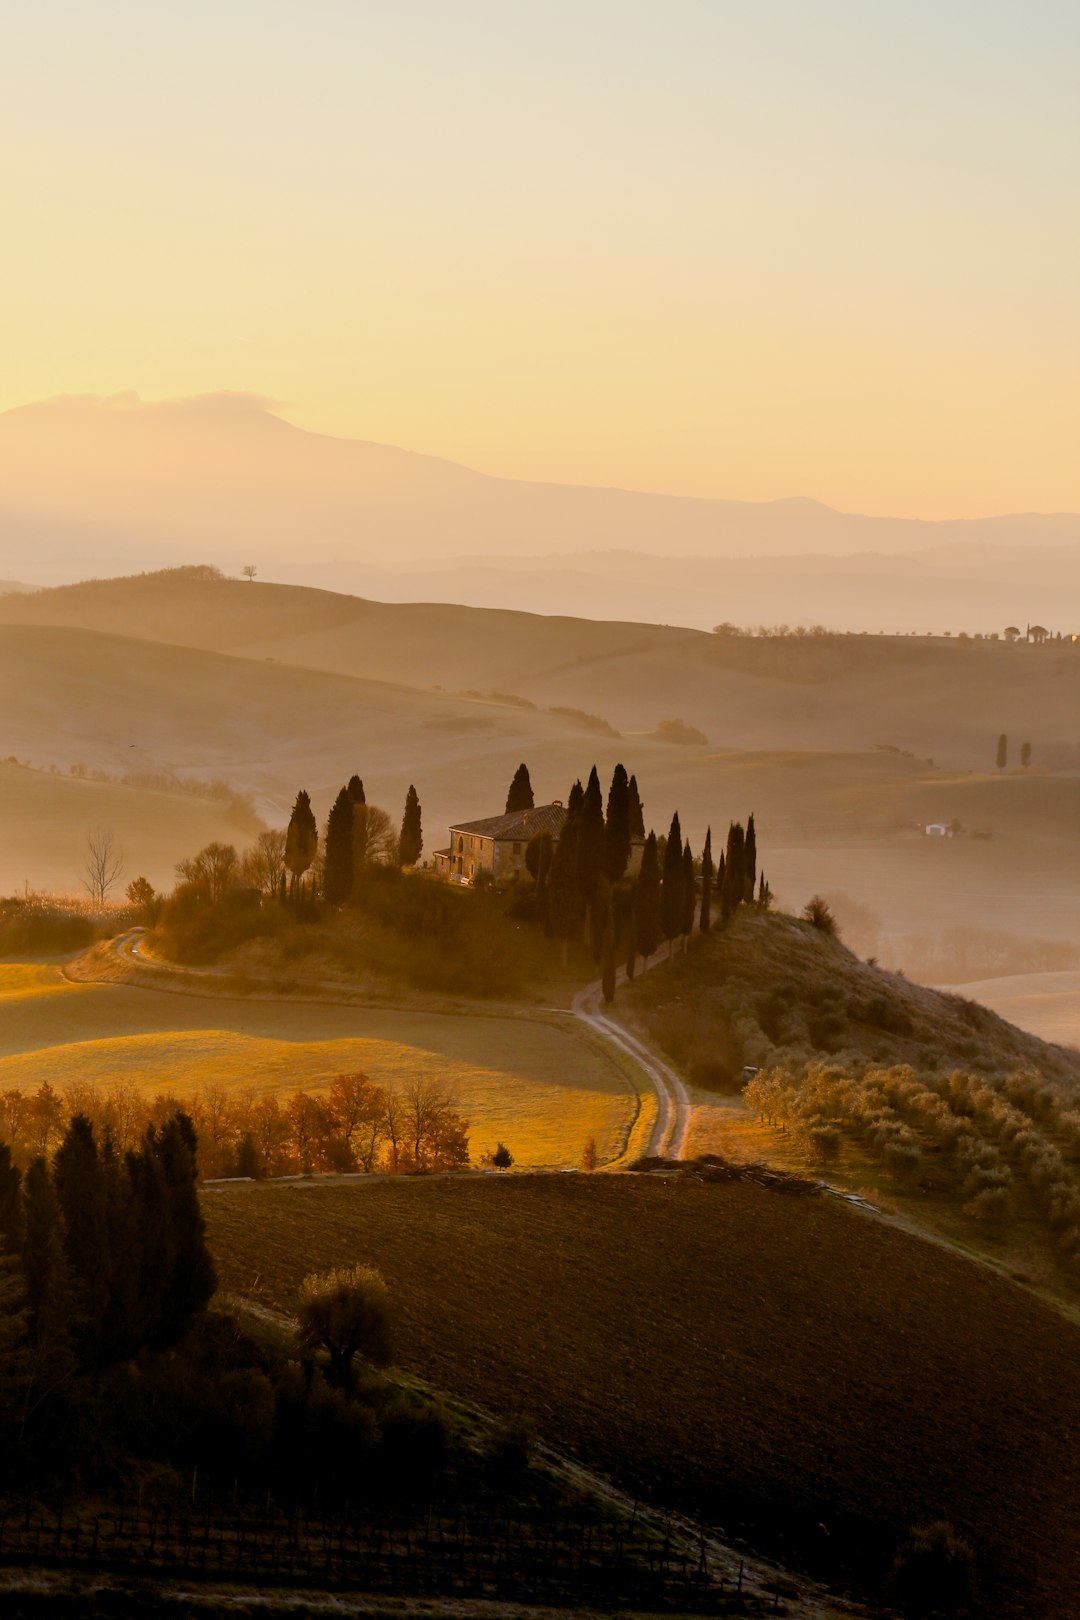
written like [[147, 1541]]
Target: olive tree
[[346, 1312]]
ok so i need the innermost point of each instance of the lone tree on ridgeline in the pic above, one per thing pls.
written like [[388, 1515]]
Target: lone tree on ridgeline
[[520, 795], [301, 841], [412, 838], [338, 851], [1002, 752], [1025, 755]]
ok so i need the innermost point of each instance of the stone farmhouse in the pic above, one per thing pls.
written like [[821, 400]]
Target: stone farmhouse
[[496, 844]]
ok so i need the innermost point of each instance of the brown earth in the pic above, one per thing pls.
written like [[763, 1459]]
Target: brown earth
[[787, 1367]]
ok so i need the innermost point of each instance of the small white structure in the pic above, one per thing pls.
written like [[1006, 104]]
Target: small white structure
[[937, 829]]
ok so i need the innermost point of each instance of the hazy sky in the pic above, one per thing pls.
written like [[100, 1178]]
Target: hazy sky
[[818, 247]]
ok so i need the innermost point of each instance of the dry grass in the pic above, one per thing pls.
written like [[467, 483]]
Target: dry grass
[[534, 1083], [794, 1370]]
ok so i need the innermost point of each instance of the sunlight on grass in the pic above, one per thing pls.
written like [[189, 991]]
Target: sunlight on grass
[[19, 979], [543, 1120]]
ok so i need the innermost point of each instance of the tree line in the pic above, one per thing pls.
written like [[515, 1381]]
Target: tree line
[[584, 883], [354, 1125]]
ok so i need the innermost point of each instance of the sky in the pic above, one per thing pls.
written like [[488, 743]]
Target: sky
[[807, 247]]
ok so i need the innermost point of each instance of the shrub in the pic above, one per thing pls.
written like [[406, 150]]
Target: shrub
[[502, 1158], [933, 1572], [818, 914]]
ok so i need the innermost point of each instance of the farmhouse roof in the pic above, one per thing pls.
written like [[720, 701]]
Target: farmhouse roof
[[518, 824]]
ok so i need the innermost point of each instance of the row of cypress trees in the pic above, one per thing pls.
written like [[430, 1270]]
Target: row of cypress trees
[[350, 828], [582, 879]]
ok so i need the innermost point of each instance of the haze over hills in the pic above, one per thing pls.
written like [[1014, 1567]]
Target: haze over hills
[[841, 746], [101, 486]]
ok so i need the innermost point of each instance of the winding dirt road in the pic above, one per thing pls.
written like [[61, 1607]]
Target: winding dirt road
[[675, 1110], [674, 1107]]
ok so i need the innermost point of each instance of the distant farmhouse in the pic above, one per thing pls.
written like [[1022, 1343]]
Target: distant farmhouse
[[497, 844]]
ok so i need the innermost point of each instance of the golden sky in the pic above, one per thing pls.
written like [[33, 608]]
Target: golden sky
[[797, 248]]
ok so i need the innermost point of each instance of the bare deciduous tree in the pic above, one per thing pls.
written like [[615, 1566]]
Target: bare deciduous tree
[[249, 571], [103, 865], [263, 865]]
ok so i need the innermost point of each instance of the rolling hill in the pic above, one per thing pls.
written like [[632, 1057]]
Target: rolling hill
[[829, 740]]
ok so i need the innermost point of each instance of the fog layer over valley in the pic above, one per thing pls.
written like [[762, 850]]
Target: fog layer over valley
[[845, 747]]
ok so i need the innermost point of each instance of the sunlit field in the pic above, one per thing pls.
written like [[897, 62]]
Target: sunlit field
[[533, 1084]]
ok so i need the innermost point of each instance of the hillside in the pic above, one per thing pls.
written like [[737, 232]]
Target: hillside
[[801, 1374], [840, 745], [46, 820], [959, 1121], [940, 699]]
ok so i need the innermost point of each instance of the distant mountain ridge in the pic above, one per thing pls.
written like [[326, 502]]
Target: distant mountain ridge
[[92, 485]]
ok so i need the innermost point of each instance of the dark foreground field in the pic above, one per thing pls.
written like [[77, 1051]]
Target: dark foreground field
[[788, 1368]]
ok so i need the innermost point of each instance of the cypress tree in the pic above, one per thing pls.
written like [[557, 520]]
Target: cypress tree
[[575, 800], [749, 860], [520, 794], [599, 916], [722, 887], [153, 1238], [48, 1295], [301, 840], [671, 893], [617, 827], [11, 1214], [705, 922], [734, 869], [121, 1332], [647, 900], [565, 908], [355, 790], [192, 1278], [764, 897], [412, 838], [1002, 752], [15, 1360], [591, 844], [607, 978], [637, 814], [338, 857], [688, 890], [538, 854], [80, 1192]]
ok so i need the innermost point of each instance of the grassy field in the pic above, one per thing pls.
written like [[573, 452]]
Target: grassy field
[[534, 1083], [789, 1368]]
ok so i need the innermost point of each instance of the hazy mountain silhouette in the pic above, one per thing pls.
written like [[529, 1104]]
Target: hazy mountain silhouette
[[91, 485]]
